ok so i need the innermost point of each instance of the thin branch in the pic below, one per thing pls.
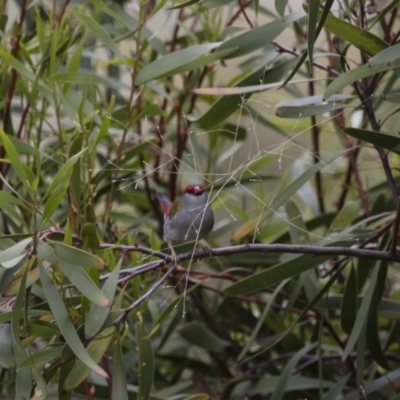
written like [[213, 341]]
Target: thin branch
[[146, 295], [315, 134], [243, 11], [283, 49], [237, 13], [272, 248], [395, 229], [365, 97]]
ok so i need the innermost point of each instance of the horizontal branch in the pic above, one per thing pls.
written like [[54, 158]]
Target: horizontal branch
[[334, 251]]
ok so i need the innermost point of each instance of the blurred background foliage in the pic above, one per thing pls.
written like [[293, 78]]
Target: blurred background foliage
[[286, 112]]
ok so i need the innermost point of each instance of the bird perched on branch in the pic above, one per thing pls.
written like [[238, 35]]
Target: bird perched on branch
[[188, 219]]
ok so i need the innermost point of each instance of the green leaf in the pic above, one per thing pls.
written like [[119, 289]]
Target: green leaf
[[362, 314], [280, 6], [63, 174], [81, 280], [32, 276], [350, 302], [336, 390], [7, 202], [278, 273], [42, 357], [352, 76], [97, 315], [360, 38], [86, 78], [75, 178], [184, 5], [344, 218], [288, 192], [14, 252], [119, 386], [257, 38], [24, 376], [7, 359], [373, 336], [260, 322], [385, 56], [307, 111], [75, 256], [145, 362], [381, 139], [231, 91], [98, 32], [65, 324], [7, 58], [271, 384], [95, 349], [215, 3], [226, 106], [281, 387], [173, 61], [392, 97], [375, 385], [15, 160], [90, 237], [197, 334], [53, 202], [284, 196], [302, 58]]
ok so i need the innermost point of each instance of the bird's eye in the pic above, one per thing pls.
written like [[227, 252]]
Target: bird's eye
[[194, 189]]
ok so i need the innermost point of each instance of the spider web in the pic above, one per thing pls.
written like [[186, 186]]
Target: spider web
[[290, 154]]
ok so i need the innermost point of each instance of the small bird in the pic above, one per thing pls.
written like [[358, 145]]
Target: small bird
[[188, 219]]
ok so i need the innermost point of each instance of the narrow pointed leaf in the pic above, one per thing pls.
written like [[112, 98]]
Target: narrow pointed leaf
[[385, 56], [63, 173], [15, 160], [65, 324], [389, 142], [354, 75], [360, 38], [280, 389], [96, 315], [81, 280], [257, 38], [278, 273], [76, 256], [99, 32], [350, 302], [23, 376], [172, 61], [197, 334], [13, 252], [96, 349], [303, 57], [307, 111], [362, 314], [280, 6], [226, 106], [119, 382], [146, 361]]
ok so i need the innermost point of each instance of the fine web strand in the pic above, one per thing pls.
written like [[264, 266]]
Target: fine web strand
[[236, 172]]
